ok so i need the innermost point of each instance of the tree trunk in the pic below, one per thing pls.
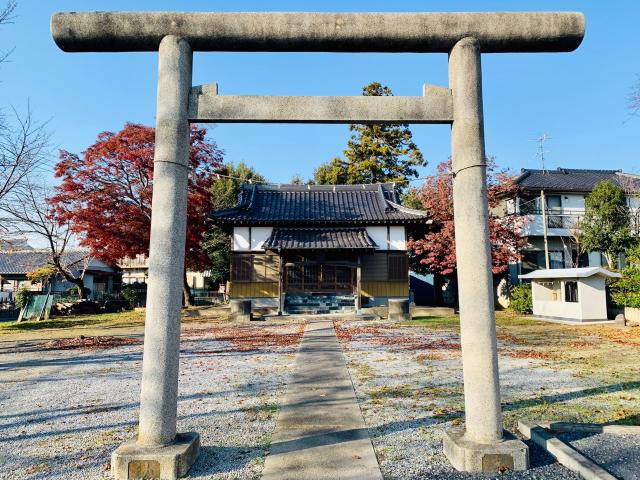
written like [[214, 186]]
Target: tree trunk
[[438, 283], [78, 282], [454, 289], [82, 290], [186, 292]]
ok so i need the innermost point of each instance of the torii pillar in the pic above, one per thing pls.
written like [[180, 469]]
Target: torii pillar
[[482, 445]]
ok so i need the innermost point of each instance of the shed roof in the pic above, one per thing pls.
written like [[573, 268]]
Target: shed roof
[[318, 205], [583, 272], [21, 262], [319, 239], [573, 179]]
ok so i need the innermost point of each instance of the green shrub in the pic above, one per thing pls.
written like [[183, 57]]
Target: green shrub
[[129, 293], [134, 293], [626, 290], [521, 299], [22, 297], [75, 291]]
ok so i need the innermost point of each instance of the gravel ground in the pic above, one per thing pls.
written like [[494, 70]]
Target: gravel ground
[[618, 454], [64, 410], [409, 385], [66, 405]]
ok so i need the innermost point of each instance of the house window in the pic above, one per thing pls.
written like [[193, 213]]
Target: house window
[[571, 292], [397, 267], [529, 206], [556, 259], [534, 260], [241, 268]]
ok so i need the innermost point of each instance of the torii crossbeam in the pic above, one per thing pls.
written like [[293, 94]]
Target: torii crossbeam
[[482, 445]]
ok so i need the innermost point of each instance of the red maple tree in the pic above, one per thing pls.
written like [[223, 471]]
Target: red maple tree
[[436, 251], [105, 193]]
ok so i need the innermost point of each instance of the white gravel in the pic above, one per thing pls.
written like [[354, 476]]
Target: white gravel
[[410, 395], [618, 454], [64, 411]]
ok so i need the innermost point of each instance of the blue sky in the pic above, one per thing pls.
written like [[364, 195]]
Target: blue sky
[[578, 98]]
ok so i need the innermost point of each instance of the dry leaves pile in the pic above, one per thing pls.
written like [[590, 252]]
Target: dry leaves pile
[[249, 338], [388, 335], [89, 343]]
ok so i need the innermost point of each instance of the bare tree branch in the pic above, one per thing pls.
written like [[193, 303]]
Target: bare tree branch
[[6, 17], [28, 213], [24, 148], [7, 13], [633, 101]]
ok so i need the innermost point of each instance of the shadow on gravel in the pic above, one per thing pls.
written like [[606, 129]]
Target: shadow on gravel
[[562, 397], [217, 459], [98, 359]]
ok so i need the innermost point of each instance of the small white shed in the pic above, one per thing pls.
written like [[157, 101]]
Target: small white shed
[[575, 294]]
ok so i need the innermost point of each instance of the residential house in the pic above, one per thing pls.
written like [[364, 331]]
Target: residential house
[[99, 277], [318, 248], [135, 270], [565, 190]]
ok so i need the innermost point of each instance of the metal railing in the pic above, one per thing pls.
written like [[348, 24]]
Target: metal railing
[[137, 262], [568, 221], [560, 220]]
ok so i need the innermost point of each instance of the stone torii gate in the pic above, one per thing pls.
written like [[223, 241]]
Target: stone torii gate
[[483, 446]]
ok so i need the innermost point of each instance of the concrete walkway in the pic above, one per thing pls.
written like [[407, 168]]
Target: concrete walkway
[[320, 432]]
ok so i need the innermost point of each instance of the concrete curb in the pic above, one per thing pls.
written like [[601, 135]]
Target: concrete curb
[[590, 428], [563, 453]]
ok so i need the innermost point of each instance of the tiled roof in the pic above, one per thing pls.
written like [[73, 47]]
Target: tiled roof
[[23, 261], [319, 239], [317, 204], [573, 180]]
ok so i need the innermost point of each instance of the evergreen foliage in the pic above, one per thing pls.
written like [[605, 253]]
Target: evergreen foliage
[[22, 297], [521, 298], [626, 290], [605, 227], [224, 194], [375, 153]]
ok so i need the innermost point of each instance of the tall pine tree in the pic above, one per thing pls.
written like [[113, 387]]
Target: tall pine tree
[[375, 153]]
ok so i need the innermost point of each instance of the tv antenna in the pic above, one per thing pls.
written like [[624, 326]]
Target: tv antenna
[[542, 139]]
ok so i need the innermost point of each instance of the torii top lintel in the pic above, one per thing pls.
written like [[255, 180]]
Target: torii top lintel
[[319, 32]]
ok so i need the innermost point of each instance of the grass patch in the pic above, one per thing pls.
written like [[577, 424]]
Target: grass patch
[[507, 318], [432, 393], [97, 320], [504, 318], [362, 370], [264, 411], [37, 468], [379, 394], [433, 322]]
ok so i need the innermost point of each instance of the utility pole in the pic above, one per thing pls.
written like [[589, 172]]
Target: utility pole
[[543, 203], [542, 139]]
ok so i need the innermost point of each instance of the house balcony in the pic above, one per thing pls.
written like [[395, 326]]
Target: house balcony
[[566, 223], [560, 224], [139, 261]]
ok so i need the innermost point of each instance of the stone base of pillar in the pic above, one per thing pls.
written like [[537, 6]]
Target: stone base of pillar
[[466, 456], [240, 310], [399, 310], [132, 461]]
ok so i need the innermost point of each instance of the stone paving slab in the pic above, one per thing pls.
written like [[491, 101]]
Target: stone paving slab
[[320, 432]]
